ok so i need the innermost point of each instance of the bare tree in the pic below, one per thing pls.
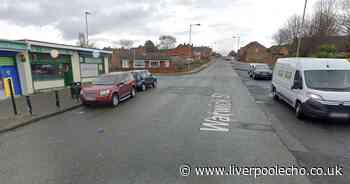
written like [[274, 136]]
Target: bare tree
[[324, 19], [290, 31], [281, 37], [344, 16], [167, 42], [150, 47], [82, 41], [125, 43]]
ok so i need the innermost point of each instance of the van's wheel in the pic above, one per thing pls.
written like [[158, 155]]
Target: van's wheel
[[143, 87], [115, 100], [133, 92], [274, 94], [299, 110]]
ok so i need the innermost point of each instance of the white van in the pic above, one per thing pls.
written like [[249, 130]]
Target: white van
[[314, 87]]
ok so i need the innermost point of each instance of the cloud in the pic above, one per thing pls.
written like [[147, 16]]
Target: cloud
[[141, 20], [68, 15]]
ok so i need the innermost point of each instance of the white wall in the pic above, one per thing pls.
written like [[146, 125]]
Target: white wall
[[76, 67], [106, 64], [39, 85], [25, 74]]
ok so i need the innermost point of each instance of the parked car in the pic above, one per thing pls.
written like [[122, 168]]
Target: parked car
[[261, 71], [313, 87], [110, 88], [144, 79]]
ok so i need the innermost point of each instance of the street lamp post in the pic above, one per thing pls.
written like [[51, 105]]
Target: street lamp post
[[87, 27], [299, 31], [190, 41]]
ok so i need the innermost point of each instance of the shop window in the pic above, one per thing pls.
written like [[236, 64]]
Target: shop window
[[139, 64], [155, 64], [91, 67], [125, 63], [46, 68], [47, 71]]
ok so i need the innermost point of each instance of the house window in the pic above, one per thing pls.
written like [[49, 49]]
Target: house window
[[125, 63], [139, 64], [155, 64], [166, 64]]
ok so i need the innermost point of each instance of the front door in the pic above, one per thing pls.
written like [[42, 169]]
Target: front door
[[68, 74]]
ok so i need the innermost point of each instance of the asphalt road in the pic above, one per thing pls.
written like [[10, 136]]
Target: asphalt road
[[147, 138], [325, 142]]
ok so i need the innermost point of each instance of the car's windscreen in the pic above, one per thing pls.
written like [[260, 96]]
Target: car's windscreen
[[108, 80], [338, 80]]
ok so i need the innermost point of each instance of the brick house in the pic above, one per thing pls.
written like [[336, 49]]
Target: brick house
[[123, 60], [254, 52], [182, 50], [202, 53], [277, 51]]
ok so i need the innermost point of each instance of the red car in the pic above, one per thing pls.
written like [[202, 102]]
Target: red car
[[111, 89]]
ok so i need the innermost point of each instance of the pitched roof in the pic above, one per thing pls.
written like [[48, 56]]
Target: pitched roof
[[254, 44]]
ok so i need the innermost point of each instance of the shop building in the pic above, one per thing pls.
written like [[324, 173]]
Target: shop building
[[54, 65], [34, 66], [10, 67]]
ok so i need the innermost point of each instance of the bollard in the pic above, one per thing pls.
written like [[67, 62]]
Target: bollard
[[12, 97], [58, 105], [29, 105]]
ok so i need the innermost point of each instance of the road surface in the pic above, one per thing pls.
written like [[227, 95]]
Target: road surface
[[205, 119], [325, 142]]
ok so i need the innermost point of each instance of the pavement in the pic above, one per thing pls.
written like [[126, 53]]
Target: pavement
[[146, 139], [193, 71], [43, 106], [313, 142]]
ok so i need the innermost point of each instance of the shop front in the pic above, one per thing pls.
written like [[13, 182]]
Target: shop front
[[50, 68], [91, 66], [49, 72], [36, 66], [9, 74]]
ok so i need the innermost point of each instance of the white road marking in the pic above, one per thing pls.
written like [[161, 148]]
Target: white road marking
[[221, 114]]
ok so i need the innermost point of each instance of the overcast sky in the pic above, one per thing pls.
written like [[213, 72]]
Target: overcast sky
[[139, 20]]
